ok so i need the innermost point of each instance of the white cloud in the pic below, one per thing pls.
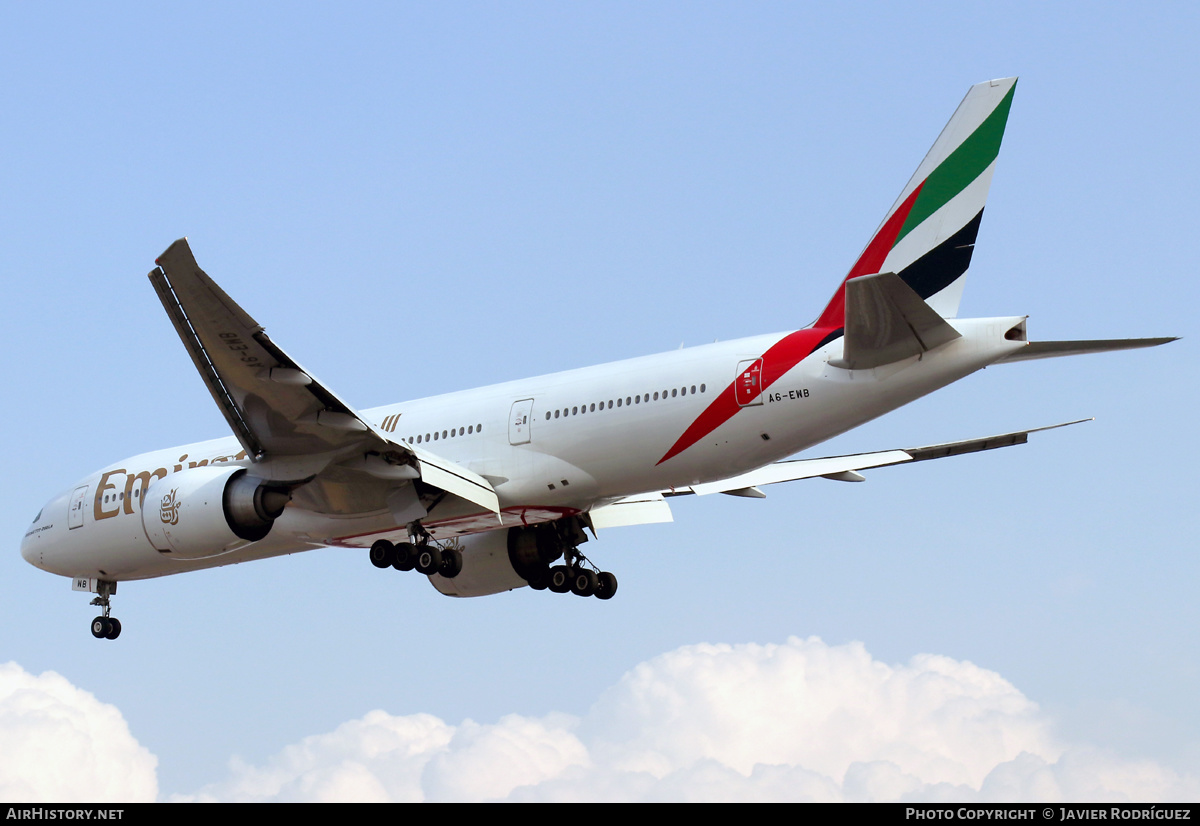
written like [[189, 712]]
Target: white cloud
[[805, 703], [799, 721], [60, 744]]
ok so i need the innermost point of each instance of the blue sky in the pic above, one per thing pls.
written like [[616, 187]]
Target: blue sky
[[417, 199]]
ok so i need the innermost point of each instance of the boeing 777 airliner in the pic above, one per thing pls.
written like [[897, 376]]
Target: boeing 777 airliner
[[492, 489]]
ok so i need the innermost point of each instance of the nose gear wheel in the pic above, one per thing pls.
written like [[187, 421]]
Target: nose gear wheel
[[105, 627]]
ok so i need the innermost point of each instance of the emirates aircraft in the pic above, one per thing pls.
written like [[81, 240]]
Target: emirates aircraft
[[496, 488]]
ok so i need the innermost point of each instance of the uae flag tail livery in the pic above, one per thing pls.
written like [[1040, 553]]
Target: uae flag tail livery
[[928, 235]]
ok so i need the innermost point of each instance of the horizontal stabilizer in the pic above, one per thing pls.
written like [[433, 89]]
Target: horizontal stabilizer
[[1054, 349], [886, 321]]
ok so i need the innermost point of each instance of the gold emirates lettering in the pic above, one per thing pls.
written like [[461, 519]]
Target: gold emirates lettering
[[144, 477]]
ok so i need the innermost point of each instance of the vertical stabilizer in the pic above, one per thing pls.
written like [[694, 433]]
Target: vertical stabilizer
[[929, 234]]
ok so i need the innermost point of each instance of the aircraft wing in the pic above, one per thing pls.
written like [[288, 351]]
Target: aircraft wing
[[844, 468], [279, 412]]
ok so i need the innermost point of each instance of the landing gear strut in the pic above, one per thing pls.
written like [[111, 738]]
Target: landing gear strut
[[105, 627], [423, 553]]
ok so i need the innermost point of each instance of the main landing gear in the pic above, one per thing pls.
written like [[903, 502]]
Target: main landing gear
[[423, 555], [105, 627], [532, 549], [574, 577]]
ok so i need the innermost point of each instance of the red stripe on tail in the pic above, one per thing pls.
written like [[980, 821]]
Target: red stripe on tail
[[869, 262]]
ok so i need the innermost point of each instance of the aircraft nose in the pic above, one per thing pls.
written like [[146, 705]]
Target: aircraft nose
[[27, 551], [33, 543]]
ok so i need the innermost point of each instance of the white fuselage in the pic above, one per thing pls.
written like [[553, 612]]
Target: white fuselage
[[552, 445]]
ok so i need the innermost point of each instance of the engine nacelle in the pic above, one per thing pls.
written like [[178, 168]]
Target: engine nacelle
[[503, 560], [208, 511], [485, 570]]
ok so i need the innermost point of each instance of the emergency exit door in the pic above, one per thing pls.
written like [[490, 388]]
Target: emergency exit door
[[519, 421]]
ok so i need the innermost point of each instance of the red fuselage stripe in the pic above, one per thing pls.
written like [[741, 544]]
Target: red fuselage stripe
[[795, 347], [782, 357]]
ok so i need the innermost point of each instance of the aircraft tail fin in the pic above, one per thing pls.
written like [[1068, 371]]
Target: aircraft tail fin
[[929, 234]]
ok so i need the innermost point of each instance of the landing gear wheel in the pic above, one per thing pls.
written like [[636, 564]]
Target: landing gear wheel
[[405, 558], [100, 627], [560, 579], [606, 586], [383, 553], [452, 562], [429, 559], [114, 629], [584, 583]]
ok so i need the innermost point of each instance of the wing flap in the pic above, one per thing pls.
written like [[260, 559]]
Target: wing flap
[[646, 509], [456, 479]]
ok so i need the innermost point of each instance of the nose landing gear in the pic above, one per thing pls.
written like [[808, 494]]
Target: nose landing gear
[[105, 627]]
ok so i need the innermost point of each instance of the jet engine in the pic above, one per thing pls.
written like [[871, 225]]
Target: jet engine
[[503, 560], [207, 511], [485, 568]]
